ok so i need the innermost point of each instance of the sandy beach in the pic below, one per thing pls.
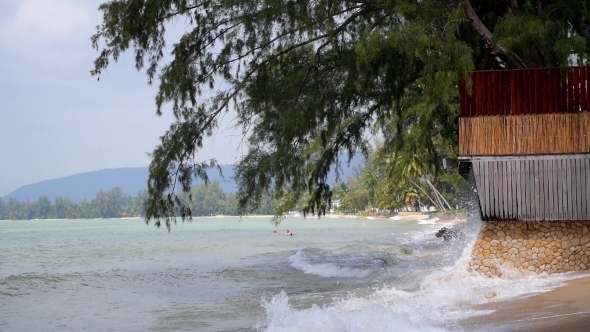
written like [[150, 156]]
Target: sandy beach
[[564, 309]]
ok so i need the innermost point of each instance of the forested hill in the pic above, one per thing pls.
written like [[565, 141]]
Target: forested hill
[[84, 186]]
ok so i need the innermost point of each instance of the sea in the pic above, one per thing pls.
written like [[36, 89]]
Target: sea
[[236, 274]]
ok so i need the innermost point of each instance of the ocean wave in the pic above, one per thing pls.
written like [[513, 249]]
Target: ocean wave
[[347, 315], [344, 263], [444, 295], [442, 298]]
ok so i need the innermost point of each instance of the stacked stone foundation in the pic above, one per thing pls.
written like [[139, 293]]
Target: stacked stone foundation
[[540, 247]]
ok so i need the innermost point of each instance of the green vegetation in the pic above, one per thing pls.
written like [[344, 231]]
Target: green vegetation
[[370, 191], [206, 200], [113, 203], [374, 189], [311, 81]]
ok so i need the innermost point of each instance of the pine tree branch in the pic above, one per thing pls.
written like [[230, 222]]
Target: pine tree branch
[[495, 48], [513, 4], [179, 12], [577, 22]]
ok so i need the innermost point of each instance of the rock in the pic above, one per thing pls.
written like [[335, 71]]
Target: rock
[[547, 248]]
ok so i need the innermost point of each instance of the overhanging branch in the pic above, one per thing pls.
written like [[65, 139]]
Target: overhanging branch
[[495, 48]]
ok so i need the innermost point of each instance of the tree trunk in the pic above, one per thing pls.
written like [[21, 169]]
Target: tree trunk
[[495, 48]]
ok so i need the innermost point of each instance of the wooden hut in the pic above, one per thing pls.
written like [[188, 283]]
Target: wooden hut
[[525, 134]]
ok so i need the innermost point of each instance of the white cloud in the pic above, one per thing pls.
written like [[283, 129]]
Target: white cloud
[[60, 120], [36, 23]]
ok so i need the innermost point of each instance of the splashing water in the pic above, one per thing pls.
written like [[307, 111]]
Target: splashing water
[[445, 291]]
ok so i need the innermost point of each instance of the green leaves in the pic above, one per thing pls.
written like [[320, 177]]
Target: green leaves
[[313, 82]]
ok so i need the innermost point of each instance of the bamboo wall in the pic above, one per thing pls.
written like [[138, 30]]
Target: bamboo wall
[[525, 91], [524, 135], [540, 188]]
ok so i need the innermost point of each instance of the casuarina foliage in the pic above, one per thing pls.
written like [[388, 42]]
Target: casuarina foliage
[[311, 82]]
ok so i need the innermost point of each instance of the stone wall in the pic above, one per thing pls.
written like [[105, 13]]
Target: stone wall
[[542, 247]]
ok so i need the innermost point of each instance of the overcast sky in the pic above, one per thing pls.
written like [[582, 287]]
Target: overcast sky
[[57, 120]]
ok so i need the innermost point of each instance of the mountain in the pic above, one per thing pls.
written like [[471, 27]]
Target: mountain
[[84, 186]]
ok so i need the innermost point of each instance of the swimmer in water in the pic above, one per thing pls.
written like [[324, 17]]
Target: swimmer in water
[[289, 233], [275, 232]]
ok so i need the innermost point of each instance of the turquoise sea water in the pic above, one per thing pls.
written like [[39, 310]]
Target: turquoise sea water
[[227, 274]]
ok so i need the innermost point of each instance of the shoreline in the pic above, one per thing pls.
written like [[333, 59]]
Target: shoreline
[[565, 309], [401, 216], [62, 219]]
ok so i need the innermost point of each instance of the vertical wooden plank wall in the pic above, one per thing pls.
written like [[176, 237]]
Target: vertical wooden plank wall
[[534, 189], [526, 91]]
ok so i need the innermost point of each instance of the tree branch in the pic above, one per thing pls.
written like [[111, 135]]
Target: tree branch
[[495, 48]]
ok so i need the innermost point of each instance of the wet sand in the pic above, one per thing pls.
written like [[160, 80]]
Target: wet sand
[[565, 309]]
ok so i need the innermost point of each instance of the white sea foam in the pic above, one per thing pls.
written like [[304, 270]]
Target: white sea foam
[[329, 270], [445, 295], [428, 221], [346, 315], [413, 236], [340, 263]]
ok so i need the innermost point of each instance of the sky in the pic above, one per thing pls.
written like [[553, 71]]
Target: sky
[[58, 120]]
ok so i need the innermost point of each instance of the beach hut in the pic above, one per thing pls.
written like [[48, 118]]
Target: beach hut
[[524, 137]]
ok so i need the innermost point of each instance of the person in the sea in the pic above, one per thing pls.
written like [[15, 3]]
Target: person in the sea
[[289, 233], [275, 232]]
